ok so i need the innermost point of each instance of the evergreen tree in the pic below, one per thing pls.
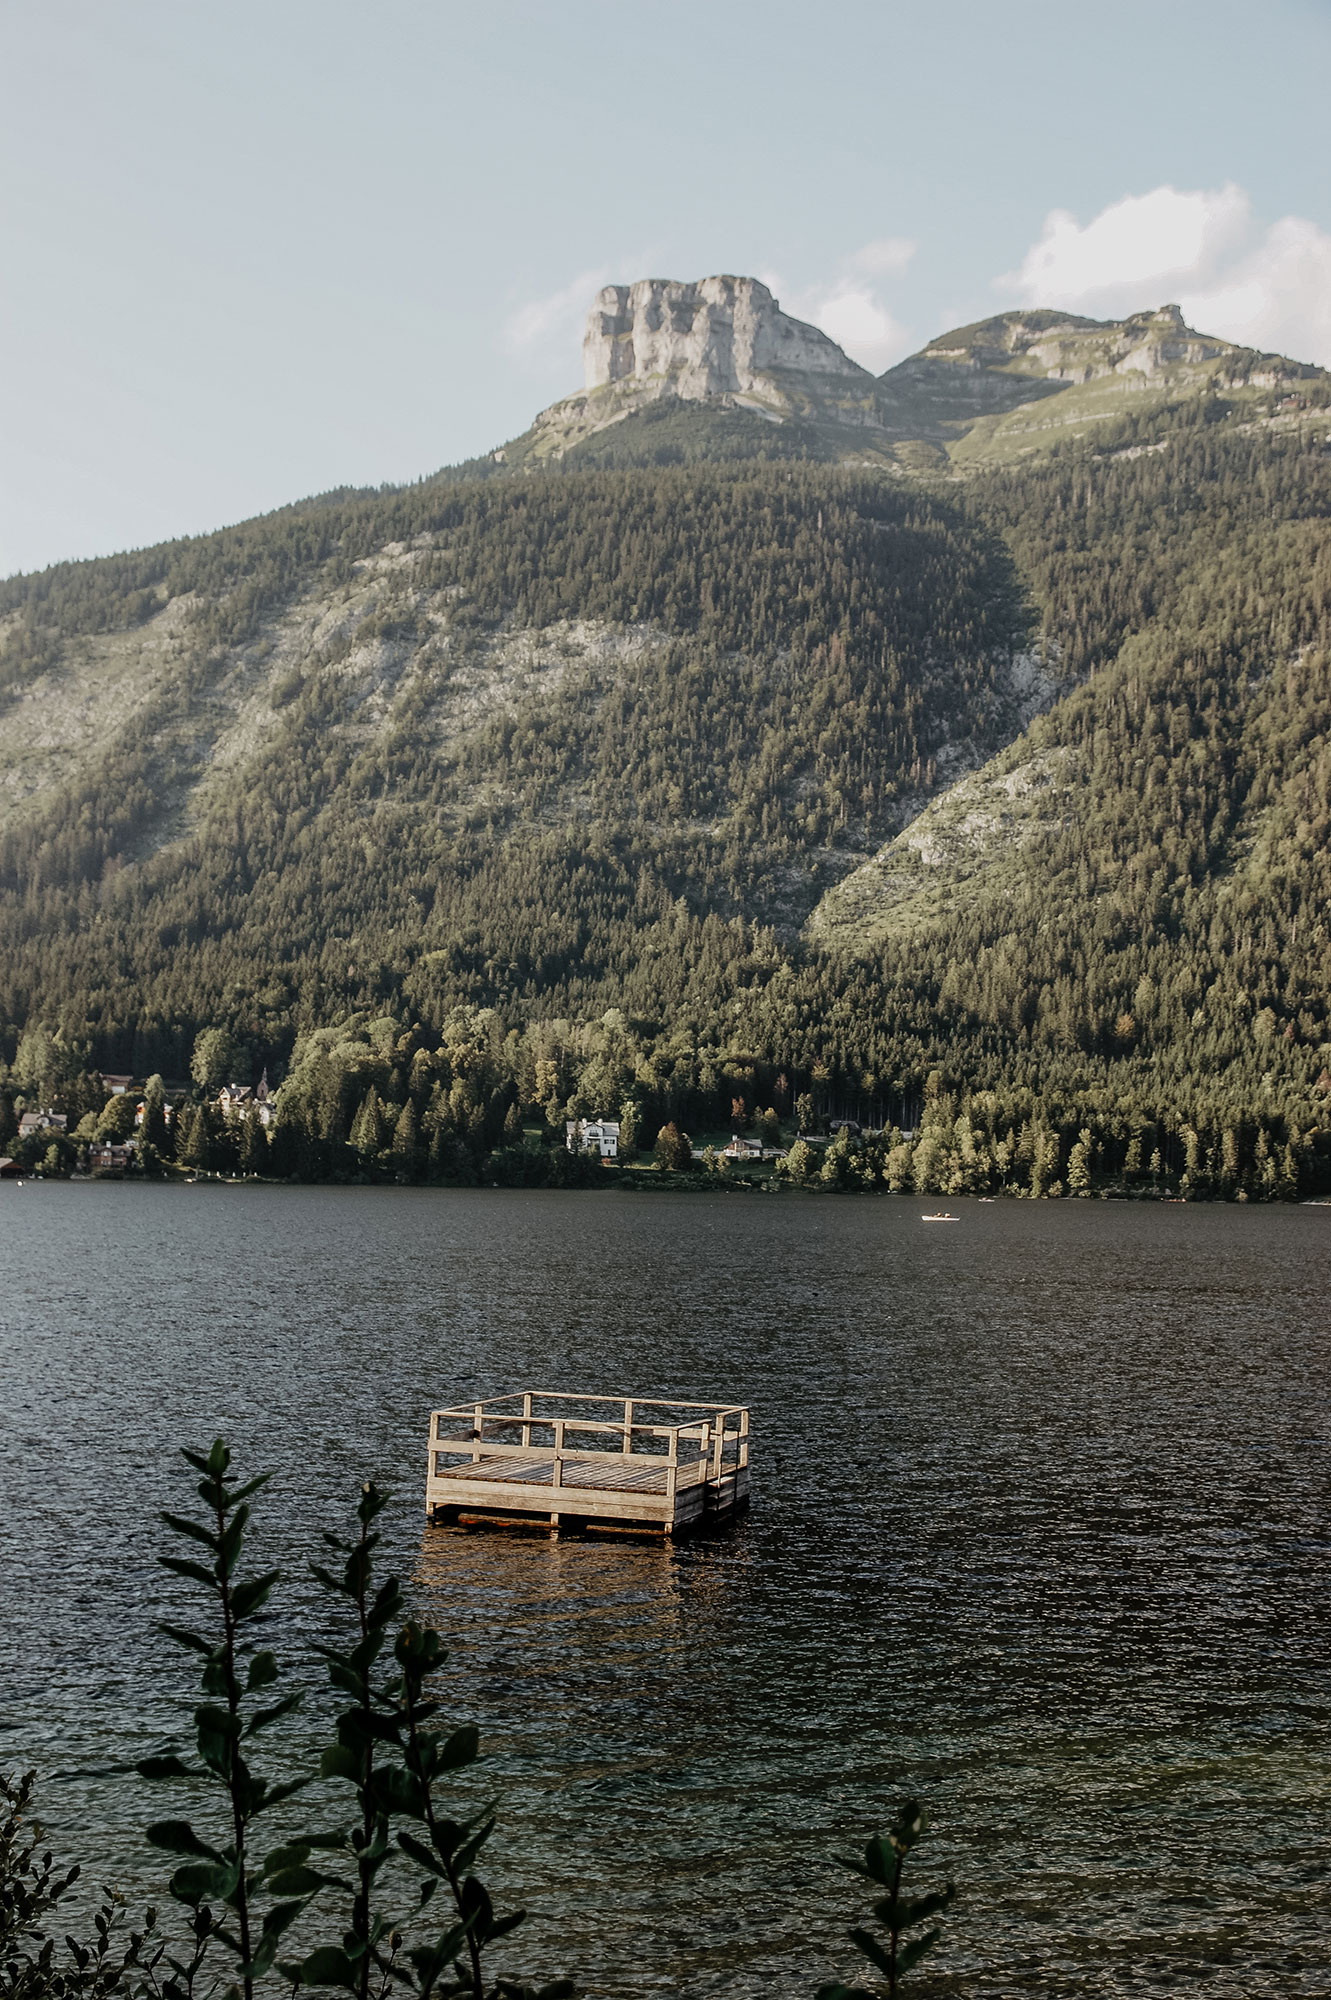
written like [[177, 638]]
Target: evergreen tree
[[1079, 1164], [630, 1128], [253, 1144], [153, 1129], [406, 1149]]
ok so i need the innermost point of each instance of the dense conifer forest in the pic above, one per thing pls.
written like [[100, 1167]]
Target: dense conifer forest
[[508, 796]]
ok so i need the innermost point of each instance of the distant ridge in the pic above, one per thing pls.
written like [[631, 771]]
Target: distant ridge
[[715, 369]]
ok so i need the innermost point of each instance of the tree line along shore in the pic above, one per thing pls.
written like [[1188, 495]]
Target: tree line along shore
[[378, 1101]]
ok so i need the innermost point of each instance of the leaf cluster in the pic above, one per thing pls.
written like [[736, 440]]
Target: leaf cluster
[[892, 1955], [117, 1963]]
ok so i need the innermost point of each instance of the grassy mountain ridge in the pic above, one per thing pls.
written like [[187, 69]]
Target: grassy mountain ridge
[[1014, 384]]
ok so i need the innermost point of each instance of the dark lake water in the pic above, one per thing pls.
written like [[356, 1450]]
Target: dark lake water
[[1040, 1533]]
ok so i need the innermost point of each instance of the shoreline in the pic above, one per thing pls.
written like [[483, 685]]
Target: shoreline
[[647, 1180]]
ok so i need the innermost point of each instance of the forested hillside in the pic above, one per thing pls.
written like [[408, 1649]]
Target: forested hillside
[[483, 739], [490, 759]]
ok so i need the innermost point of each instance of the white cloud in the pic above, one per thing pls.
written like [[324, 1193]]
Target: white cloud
[[850, 308], [1266, 288], [884, 257], [555, 321], [1144, 240], [1277, 298], [862, 324]]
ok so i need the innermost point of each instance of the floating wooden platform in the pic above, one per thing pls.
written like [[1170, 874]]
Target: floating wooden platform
[[638, 1465]]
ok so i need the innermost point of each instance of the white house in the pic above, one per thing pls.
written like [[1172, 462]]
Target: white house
[[237, 1100], [41, 1121], [593, 1135], [742, 1148]]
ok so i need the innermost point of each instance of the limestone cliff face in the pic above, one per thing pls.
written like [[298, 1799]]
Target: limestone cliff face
[[723, 341], [719, 337]]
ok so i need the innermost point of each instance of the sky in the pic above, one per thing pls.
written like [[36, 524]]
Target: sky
[[250, 253]]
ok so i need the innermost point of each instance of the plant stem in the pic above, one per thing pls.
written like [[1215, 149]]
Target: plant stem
[[473, 1949], [361, 1918], [233, 1709], [893, 1932]]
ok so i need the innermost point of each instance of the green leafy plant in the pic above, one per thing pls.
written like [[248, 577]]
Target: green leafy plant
[[388, 1747], [32, 1887], [884, 1863], [234, 1679], [398, 1850]]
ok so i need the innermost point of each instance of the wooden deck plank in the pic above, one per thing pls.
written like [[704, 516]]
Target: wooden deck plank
[[502, 1497], [616, 1476]]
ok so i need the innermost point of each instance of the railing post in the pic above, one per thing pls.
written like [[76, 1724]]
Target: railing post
[[672, 1473], [628, 1425], [704, 1449], [477, 1430], [743, 1438], [526, 1421], [719, 1452], [557, 1476]]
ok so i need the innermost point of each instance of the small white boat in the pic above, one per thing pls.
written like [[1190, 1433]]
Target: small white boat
[[940, 1218]]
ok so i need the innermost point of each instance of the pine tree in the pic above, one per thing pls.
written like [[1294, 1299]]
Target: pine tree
[[368, 1127], [630, 1127], [405, 1150], [1079, 1164], [253, 1144]]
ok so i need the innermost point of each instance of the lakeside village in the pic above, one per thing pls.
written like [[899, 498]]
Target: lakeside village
[[367, 1103], [141, 1131]]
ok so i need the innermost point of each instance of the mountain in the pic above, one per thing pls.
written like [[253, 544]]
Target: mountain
[[715, 370], [658, 352], [1018, 383], [980, 775]]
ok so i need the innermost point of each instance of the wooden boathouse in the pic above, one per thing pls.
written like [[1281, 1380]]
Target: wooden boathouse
[[626, 1464]]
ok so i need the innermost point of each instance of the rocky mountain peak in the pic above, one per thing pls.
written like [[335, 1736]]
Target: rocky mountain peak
[[721, 341], [720, 336]]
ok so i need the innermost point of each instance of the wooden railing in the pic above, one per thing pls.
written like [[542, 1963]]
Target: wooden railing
[[696, 1449]]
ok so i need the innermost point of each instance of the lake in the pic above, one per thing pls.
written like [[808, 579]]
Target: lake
[[1039, 1533]]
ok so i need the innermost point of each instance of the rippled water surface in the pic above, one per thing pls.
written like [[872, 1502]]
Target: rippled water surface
[[1039, 1532]]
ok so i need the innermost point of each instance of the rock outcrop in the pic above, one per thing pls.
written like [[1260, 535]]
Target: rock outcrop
[[1064, 347], [723, 341], [1018, 358], [719, 337]]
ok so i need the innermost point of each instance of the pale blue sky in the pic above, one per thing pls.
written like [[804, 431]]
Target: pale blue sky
[[253, 251]]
